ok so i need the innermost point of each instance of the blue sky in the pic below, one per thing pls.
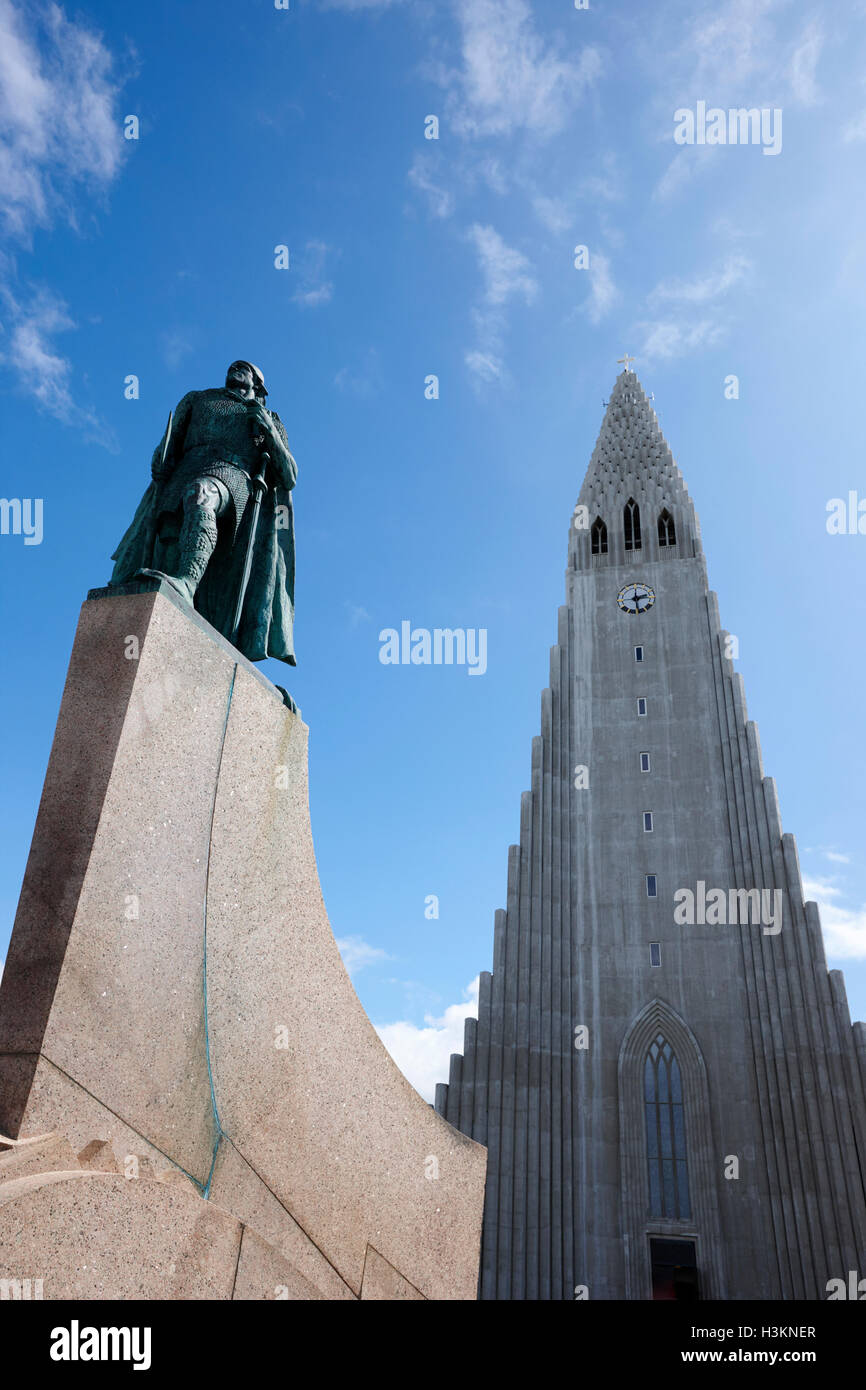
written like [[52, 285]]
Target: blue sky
[[409, 257]]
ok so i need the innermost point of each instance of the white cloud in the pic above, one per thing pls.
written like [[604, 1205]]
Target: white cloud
[[357, 615], [603, 293], [308, 268], [688, 326], [357, 4], [702, 288], [423, 1054], [60, 133], [836, 858], [511, 79], [603, 188], [439, 200], [844, 928], [29, 329], [362, 381], [855, 131], [727, 43], [733, 53], [685, 165], [553, 212], [669, 338], [736, 48], [59, 126], [176, 347], [358, 953], [803, 64], [505, 273]]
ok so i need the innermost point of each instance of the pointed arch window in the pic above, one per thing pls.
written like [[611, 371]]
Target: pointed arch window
[[631, 524], [665, 1133], [599, 537], [667, 530]]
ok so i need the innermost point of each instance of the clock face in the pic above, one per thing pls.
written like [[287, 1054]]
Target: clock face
[[636, 598]]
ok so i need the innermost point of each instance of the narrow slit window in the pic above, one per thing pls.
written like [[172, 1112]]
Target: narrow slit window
[[667, 531], [641, 704], [647, 820], [652, 888], [598, 536], [631, 524], [665, 1133], [655, 953], [638, 653], [644, 762]]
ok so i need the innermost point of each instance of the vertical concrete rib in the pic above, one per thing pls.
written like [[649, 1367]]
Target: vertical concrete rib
[[466, 1109], [493, 1207], [566, 972], [509, 1053], [528, 841], [482, 1057], [755, 991], [455, 1078], [551, 897]]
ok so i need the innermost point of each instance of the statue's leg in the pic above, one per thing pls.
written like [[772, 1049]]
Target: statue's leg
[[204, 502], [165, 550]]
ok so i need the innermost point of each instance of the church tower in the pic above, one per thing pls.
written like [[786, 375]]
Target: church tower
[[663, 1071]]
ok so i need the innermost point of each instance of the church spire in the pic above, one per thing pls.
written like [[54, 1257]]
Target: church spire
[[632, 463]]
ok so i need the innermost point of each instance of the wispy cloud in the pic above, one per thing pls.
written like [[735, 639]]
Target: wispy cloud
[[358, 953], [30, 325], [421, 175], [804, 62], [59, 125], [704, 287], [176, 347], [362, 380], [423, 1054], [854, 133], [669, 338], [510, 79], [553, 212], [686, 165], [505, 273], [695, 319], [733, 48], [308, 270], [60, 136], [731, 53], [603, 293], [357, 614], [835, 856], [357, 4]]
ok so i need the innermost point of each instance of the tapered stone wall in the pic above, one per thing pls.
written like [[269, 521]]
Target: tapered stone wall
[[173, 985]]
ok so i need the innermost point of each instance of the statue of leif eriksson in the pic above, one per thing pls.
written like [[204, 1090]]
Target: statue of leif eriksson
[[216, 522]]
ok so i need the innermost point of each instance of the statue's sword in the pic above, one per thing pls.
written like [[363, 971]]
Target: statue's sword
[[259, 487]]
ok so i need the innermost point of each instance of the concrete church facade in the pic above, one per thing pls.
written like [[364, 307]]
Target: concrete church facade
[[663, 1071]]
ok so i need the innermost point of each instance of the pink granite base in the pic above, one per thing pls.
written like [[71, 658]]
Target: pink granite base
[[173, 985]]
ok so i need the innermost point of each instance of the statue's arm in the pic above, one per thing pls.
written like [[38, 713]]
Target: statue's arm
[[159, 470], [281, 455]]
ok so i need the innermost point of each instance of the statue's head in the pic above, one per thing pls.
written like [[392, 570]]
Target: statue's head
[[246, 380]]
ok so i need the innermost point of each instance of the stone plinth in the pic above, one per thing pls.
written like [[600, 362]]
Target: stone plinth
[[173, 986]]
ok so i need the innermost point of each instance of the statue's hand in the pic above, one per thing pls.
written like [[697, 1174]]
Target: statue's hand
[[260, 419]]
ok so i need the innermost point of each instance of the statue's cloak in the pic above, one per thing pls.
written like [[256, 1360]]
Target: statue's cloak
[[267, 620]]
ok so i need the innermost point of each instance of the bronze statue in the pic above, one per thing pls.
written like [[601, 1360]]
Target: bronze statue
[[216, 522]]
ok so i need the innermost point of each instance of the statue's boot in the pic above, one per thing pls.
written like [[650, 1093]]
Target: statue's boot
[[196, 542]]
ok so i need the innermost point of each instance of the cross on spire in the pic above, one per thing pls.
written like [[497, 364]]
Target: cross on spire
[[626, 360]]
